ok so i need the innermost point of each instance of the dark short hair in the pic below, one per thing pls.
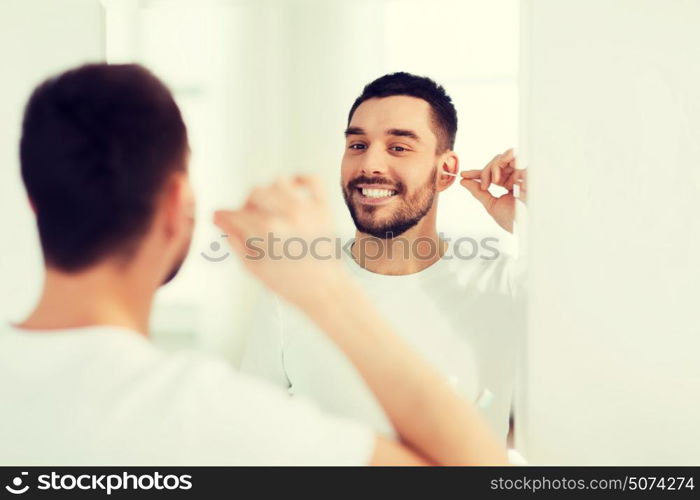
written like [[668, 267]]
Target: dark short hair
[[443, 111], [98, 143]]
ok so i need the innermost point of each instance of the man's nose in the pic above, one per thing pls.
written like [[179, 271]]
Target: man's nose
[[373, 162]]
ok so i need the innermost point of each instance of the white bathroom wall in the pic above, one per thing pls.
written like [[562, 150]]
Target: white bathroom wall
[[611, 133], [37, 38]]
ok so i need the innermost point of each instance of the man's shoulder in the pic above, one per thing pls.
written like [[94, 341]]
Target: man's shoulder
[[192, 368]]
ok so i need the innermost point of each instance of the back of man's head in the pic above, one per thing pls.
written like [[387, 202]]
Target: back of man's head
[[98, 144]]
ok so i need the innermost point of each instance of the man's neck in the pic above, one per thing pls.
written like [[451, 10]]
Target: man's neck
[[101, 296], [413, 251]]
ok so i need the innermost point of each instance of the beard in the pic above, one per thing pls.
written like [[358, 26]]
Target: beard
[[411, 210]]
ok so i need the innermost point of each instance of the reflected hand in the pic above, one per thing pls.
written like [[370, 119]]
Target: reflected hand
[[500, 171], [283, 234]]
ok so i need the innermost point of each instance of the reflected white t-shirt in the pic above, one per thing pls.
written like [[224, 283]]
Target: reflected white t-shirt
[[106, 396], [463, 315]]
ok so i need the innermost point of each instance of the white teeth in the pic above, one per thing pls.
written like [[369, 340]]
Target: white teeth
[[377, 193]]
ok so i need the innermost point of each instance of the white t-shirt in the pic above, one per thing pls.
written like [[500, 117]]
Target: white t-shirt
[[464, 316], [106, 396]]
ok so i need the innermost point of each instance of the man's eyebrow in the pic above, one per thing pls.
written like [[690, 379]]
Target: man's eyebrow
[[354, 131], [401, 132], [398, 132]]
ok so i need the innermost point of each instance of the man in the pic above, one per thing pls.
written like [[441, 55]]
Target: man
[[104, 156], [457, 308]]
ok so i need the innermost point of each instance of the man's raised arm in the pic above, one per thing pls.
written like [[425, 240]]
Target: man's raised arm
[[436, 426]]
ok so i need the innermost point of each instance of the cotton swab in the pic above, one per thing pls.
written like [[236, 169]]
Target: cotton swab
[[516, 186], [450, 173]]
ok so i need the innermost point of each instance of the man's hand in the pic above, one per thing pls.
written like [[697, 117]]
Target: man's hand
[[283, 234], [500, 171]]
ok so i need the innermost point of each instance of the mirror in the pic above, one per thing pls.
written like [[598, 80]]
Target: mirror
[[266, 89]]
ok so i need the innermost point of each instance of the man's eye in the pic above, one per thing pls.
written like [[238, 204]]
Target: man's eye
[[398, 149], [357, 146]]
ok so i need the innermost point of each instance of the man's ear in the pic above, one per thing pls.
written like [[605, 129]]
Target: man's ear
[[178, 201], [449, 162]]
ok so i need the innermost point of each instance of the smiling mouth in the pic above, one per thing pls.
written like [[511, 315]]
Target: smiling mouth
[[375, 194]]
